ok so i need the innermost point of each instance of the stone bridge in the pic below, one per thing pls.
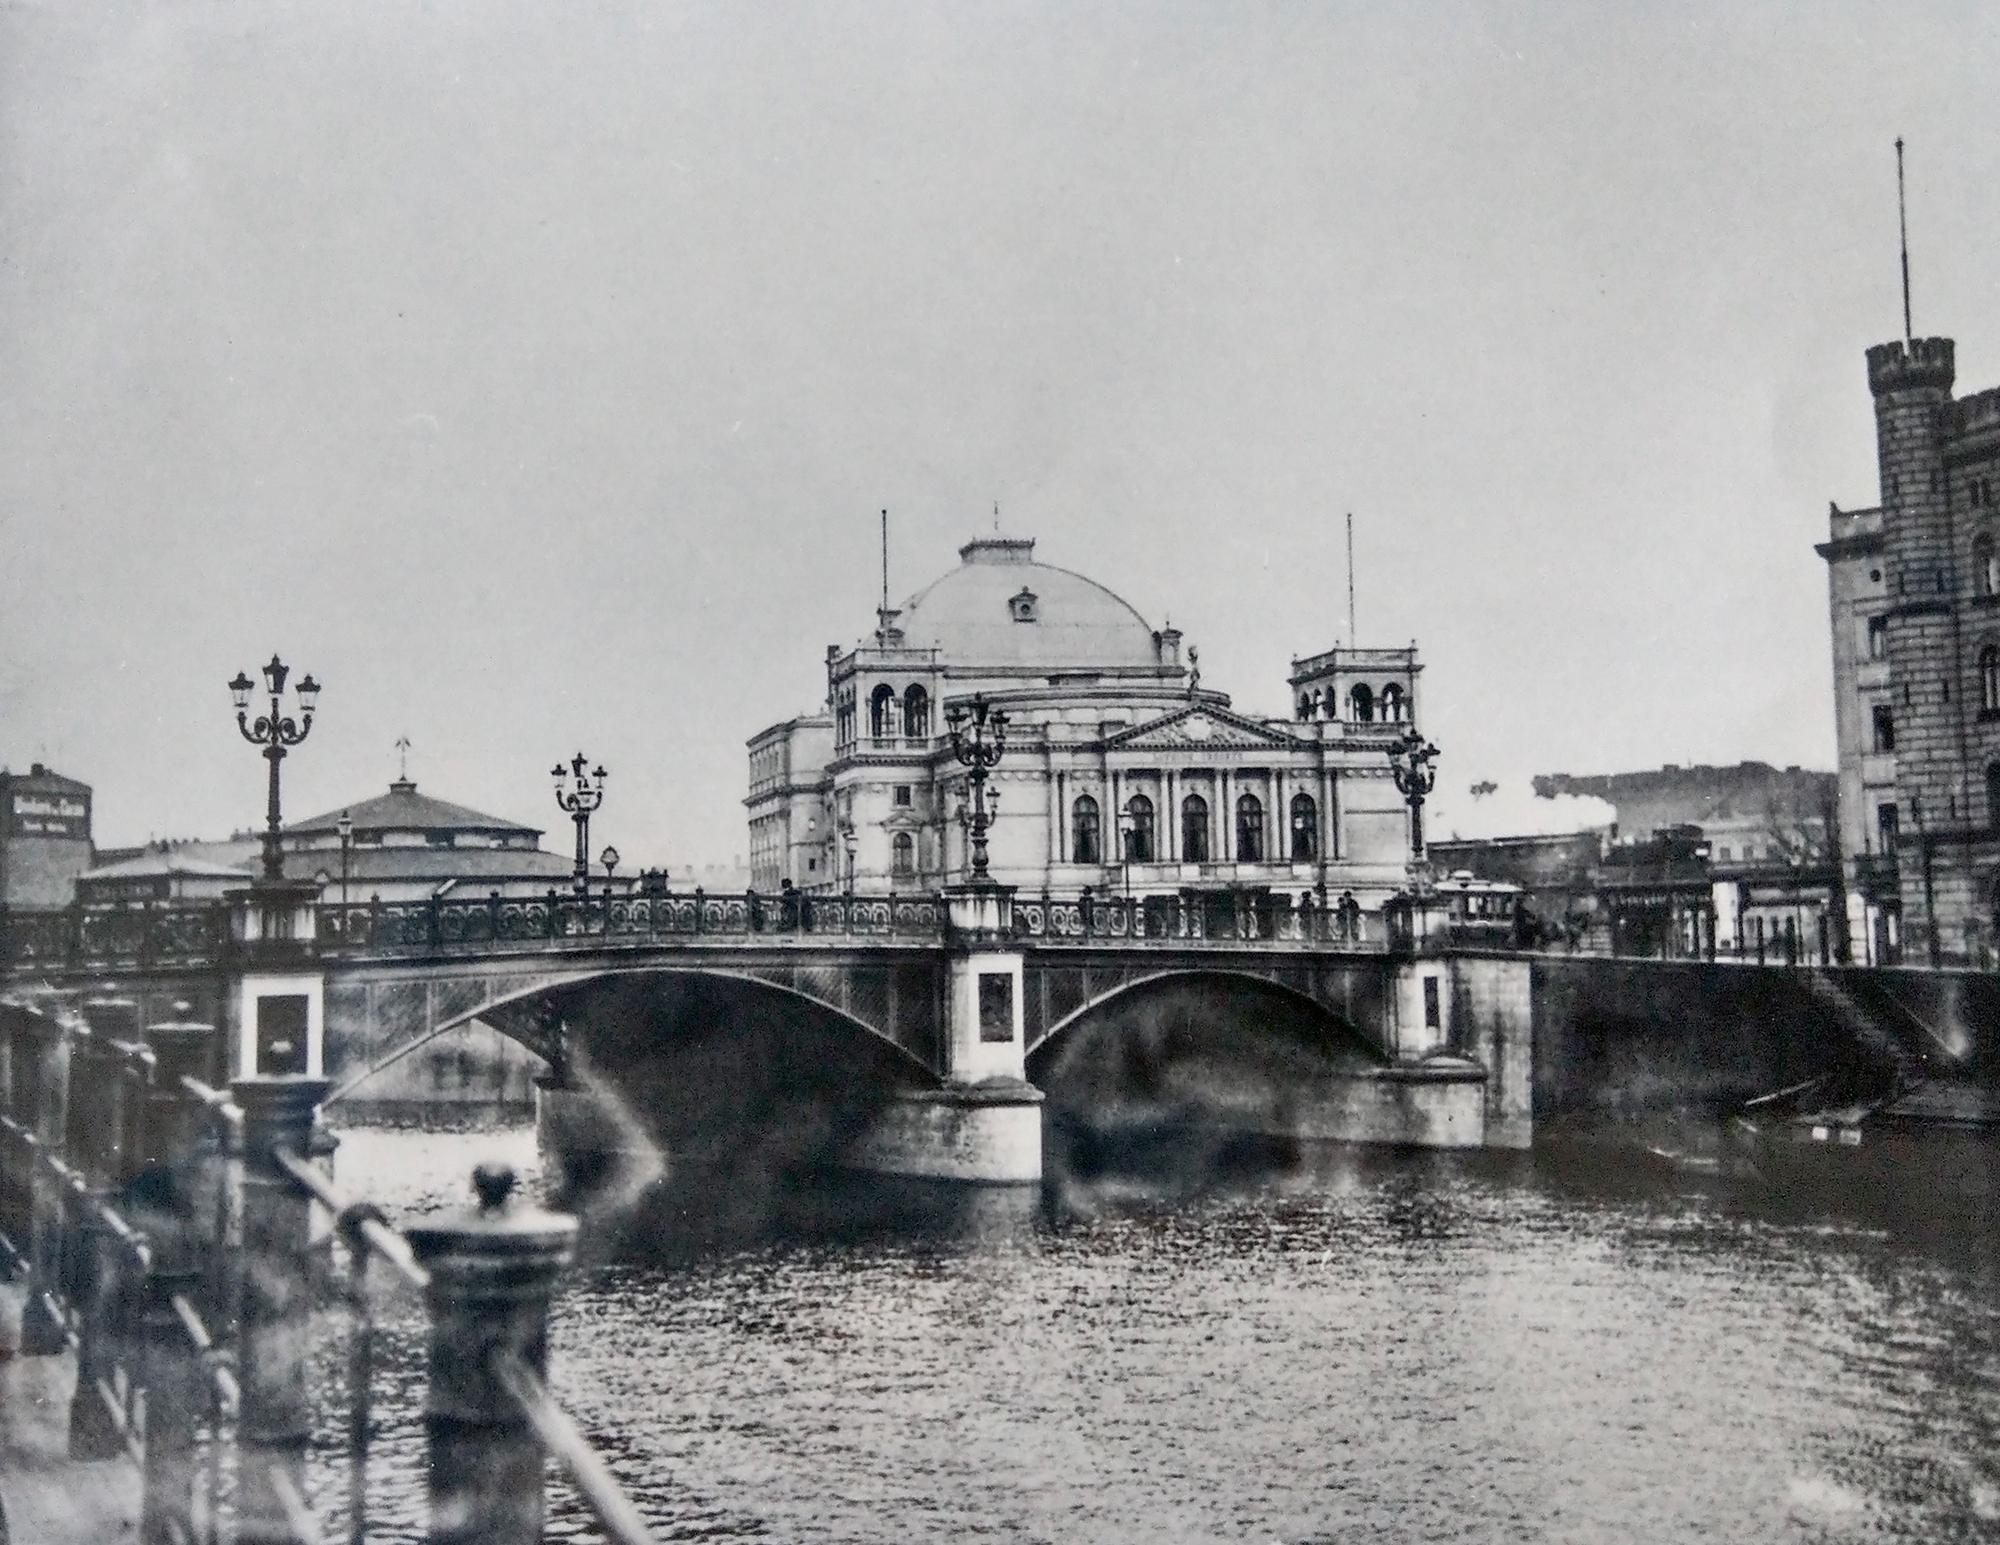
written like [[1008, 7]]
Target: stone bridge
[[950, 1001]]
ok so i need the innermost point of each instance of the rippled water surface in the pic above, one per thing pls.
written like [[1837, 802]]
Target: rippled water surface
[[1415, 1348]]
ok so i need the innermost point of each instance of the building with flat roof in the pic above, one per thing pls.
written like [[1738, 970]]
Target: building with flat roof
[[45, 841], [1122, 769]]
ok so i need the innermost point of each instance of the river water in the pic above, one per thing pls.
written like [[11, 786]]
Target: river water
[[1339, 1347]]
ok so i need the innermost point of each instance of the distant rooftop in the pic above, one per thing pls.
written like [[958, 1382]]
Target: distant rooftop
[[403, 809]]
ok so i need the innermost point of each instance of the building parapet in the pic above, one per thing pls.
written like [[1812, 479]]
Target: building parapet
[[1404, 659], [1976, 414], [1909, 364]]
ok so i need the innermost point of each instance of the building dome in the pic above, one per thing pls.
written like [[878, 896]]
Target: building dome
[[1000, 607]]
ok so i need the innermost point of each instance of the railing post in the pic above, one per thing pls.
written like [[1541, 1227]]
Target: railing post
[[492, 1271], [174, 1383], [41, 1323], [108, 1125], [274, 1339]]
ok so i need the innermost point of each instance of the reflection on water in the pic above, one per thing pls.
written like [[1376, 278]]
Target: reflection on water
[[1402, 1347]]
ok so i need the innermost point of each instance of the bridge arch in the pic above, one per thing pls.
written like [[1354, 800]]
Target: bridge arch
[[1341, 1031], [1172, 1076], [520, 1013]]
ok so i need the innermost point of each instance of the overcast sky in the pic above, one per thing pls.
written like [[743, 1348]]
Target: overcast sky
[[532, 373]]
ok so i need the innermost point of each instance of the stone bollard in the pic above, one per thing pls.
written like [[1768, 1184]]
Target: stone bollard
[[97, 1118], [275, 1327], [175, 1399], [48, 1046], [492, 1271]]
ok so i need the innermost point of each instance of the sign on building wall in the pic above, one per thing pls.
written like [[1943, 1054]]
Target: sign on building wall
[[49, 815], [996, 1006]]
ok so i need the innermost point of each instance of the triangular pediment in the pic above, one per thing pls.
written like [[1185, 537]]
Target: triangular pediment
[[1196, 727]]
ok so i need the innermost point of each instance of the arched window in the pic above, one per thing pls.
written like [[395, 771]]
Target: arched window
[[1985, 564], [903, 856], [1139, 829], [1194, 829], [882, 711], [1083, 844], [917, 713], [1989, 680], [1361, 703], [1392, 704], [1250, 830], [1305, 707], [1305, 829]]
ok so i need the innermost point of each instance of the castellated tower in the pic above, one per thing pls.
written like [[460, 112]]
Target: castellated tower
[[1941, 710], [1911, 382]]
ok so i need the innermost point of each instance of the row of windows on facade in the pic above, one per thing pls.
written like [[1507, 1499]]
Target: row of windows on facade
[[1985, 571], [1364, 704], [1141, 846], [1086, 833], [1882, 718], [1887, 823]]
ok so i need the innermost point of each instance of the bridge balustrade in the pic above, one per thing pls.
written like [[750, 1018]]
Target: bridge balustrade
[[184, 1242], [542, 921], [1225, 918], [137, 936], [198, 935]]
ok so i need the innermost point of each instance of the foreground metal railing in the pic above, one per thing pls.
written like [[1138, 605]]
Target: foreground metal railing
[[187, 1242]]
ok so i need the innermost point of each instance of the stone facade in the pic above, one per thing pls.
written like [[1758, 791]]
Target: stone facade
[[1121, 769], [1914, 594]]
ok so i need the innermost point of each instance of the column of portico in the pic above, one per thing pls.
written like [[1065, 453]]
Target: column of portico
[[1225, 816], [1281, 819], [1172, 816], [1055, 809], [1329, 817]]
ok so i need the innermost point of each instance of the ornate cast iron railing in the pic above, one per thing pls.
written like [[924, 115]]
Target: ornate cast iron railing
[[184, 1241], [1216, 918], [193, 936], [538, 921]]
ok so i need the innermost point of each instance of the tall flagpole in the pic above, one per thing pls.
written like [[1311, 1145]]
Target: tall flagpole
[[1903, 232], [1351, 633], [885, 568]]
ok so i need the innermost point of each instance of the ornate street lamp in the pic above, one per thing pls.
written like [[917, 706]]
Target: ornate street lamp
[[346, 828], [276, 734], [579, 792], [609, 859], [1410, 760], [979, 756]]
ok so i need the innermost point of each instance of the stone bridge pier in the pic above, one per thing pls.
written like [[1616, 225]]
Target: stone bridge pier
[[984, 1121]]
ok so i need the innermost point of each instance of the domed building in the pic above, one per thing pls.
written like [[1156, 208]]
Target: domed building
[[1121, 768]]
